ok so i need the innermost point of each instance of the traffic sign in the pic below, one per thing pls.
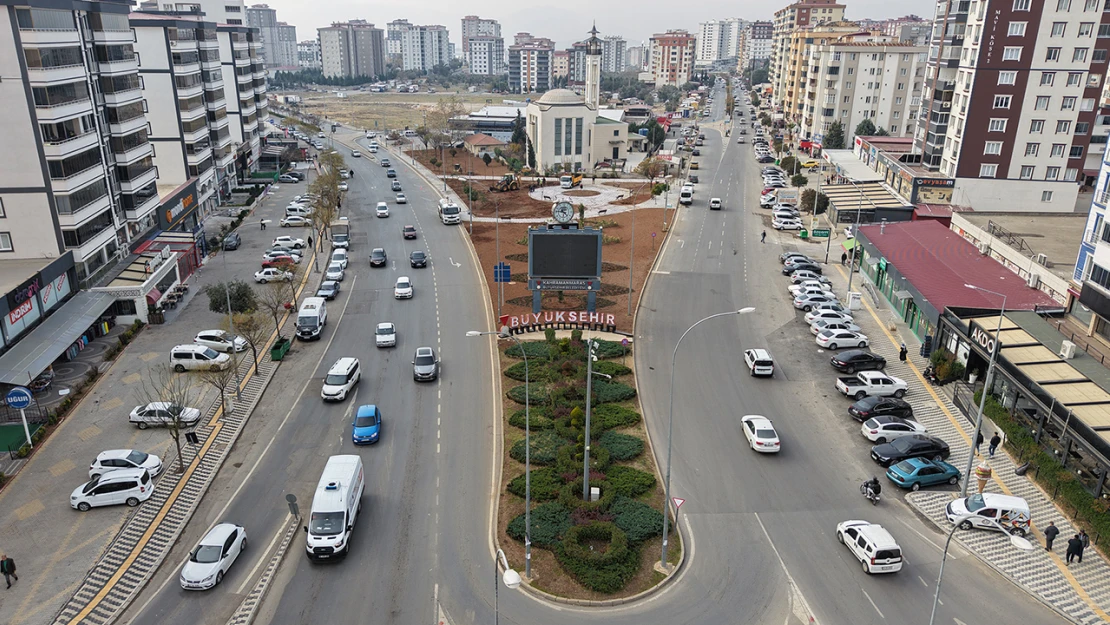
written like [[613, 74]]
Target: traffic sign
[[678, 501], [821, 232], [502, 273], [18, 398], [624, 341]]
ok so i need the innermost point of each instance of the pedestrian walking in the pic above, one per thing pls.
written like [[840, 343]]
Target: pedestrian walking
[[310, 242], [7, 567], [844, 258], [1050, 534], [902, 353], [978, 442], [763, 237], [1075, 548], [996, 440], [1084, 542], [262, 222]]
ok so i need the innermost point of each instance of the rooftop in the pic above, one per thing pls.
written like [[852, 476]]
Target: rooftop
[[890, 144], [482, 139], [15, 272], [561, 97], [1051, 234], [939, 262]]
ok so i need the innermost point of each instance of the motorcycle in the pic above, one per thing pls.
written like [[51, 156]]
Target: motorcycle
[[871, 495], [930, 375]]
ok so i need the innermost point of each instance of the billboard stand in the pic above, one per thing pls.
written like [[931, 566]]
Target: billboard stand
[[564, 257], [537, 301]]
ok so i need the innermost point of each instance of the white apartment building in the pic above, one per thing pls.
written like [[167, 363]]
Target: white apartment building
[[393, 32], [719, 39], [757, 45], [244, 93], [672, 58], [483, 46], [863, 77], [354, 48], [424, 47], [262, 17], [639, 57], [613, 54], [797, 15], [308, 54], [232, 12]]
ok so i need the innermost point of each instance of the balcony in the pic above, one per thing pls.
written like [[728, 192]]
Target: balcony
[[142, 210], [218, 123], [134, 154], [188, 92], [195, 158], [113, 36], [1103, 197], [65, 147], [127, 126], [226, 159], [93, 245], [34, 38], [1096, 298], [66, 110], [193, 113], [194, 135], [259, 73], [123, 66], [122, 97], [140, 181], [77, 180], [186, 68], [250, 125], [242, 62], [47, 75], [208, 44], [70, 220]]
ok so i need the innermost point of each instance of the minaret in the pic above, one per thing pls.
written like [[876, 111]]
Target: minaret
[[593, 69]]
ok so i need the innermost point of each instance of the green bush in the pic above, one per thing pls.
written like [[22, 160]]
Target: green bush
[[545, 484], [545, 444], [536, 394], [611, 349], [570, 495], [534, 349], [605, 571], [640, 521], [538, 418], [611, 392], [568, 459], [614, 369], [611, 416], [628, 481], [550, 521], [549, 335], [621, 446], [536, 372]]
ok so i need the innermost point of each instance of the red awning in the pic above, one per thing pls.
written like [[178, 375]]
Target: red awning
[[153, 296]]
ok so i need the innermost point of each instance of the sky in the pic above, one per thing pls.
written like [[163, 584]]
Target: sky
[[565, 22]]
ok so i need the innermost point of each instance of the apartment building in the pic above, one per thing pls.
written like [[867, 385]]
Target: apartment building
[[795, 66], [232, 12], [424, 47], [286, 46], [1092, 268], [719, 39], [797, 15], [393, 31], [265, 19], [1012, 93], [756, 42], [672, 57], [308, 55], [613, 54], [858, 77], [560, 64], [483, 46], [530, 63], [354, 48], [244, 93], [639, 57]]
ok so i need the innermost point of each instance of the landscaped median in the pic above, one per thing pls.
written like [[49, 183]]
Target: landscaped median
[[582, 550]]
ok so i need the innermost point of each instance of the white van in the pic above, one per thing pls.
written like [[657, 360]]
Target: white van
[[759, 362], [341, 379], [686, 196], [129, 486], [298, 211], [1012, 513], [449, 212], [335, 508], [193, 357], [872, 545], [312, 318]]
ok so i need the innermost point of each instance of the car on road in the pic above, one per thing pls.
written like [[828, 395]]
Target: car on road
[[341, 379], [883, 429], [282, 262], [803, 286], [221, 341], [696, 151], [715, 204], [401, 199], [271, 274], [377, 257], [385, 335], [692, 179], [129, 486], [853, 360], [810, 164], [789, 258], [385, 162], [834, 339], [394, 185], [343, 186], [382, 209], [803, 266], [740, 139], [288, 178], [807, 301], [213, 556], [294, 221], [761, 435], [781, 211], [1012, 513], [418, 259], [334, 272], [912, 446], [817, 314], [390, 173], [798, 291], [163, 413], [917, 472], [116, 459], [759, 362], [826, 324], [356, 154], [408, 232], [872, 545], [367, 426], [403, 288], [339, 256], [288, 241], [425, 365], [786, 224], [875, 406], [802, 276], [766, 159], [328, 290], [232, 241]]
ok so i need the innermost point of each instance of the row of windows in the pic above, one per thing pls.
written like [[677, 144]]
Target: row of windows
[[120, 114], [129, 142], [1034, 149], [112, 54], [58, 132], [1028, 172], [1064, 6], [55, 95], [120, 83], [88, 231], [126, 173], [42, 58], [131, 201], [1078, 55], [72, 165], [79, 199]]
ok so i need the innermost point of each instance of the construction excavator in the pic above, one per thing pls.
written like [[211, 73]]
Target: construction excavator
[[509, 182]]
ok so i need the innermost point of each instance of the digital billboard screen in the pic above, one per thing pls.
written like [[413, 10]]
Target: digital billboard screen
[[565, 254]]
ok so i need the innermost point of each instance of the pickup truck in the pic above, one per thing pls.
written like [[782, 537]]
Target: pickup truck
[[875, 383]]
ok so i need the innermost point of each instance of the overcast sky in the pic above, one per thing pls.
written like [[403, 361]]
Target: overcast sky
[[566, 21]]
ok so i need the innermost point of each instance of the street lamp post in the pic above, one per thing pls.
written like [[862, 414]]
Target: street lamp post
[[670, 425], [510, 577], [986, 387], [1017, 541], [504, 334], [591, 346], [231, 332]]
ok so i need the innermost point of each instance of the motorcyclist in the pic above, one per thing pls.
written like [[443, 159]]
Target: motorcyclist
[[872, 486]]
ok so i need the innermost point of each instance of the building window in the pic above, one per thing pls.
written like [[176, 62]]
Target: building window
[[988, 170], [1046, 196], [1068, 103], [992, 147], [1071, 174], [1063, 5], [1026, 172], [1031, 149], [1057, 150], [1098, 56], [1017, 29], [997, 124], [1058, 29], [1036, 126], [1002, 101], [1063, 126], [1053, 54], [1082, 128], [1087, 104], [1079, 55], [1021, 5], [1052, 173], [6, 242], [2, 213], [1041, 103], [1075, 79], [1086, 28], [1004, 78], [1075, 152], [1013, 53], [558, 136], [1047, 78]]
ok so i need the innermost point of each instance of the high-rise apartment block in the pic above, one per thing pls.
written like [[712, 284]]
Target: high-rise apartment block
[[233, 12], [672, 57], [560, 64], [719, 39], [483, 46], [286, 46], [639, 57], [530, 63], [756, 50], [424, 47], [308, 55], [613, 54], [797, 15], [354, 48], [797, 63], [393, 32]]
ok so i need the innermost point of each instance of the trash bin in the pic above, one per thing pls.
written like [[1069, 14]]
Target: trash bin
[[803, 233], [280, 348], [855, 300]]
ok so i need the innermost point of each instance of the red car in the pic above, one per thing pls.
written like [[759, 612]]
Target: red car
[[409, 232], [280, 262]]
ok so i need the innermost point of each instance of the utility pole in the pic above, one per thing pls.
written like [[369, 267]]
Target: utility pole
[[631, 251], [591, 345]]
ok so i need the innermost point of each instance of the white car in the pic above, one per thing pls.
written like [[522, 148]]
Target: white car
[[818, 314], [213, 556], [888, 427], [356, 154], [833, 339], [343, 186], [163, 413], [786, 224], [385, 335], [761, 435], [401, 199], [272, 254], [403, 288], [808, 286], [272, 274], [805, 274], [829, 324], [339, 256], [784, 213], [812, 290], [382, 209], [290, 242], [715, 203], [872, 545], [220, 341], [808, 301], [294, 221], [334, 272], [116, 459]]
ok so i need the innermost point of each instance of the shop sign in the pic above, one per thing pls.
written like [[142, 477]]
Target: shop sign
[[551, 317], [24, 292], [982, 339]]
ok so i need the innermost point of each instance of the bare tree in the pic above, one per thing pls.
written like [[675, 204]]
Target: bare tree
[[273, 299], [221, 379], [171, 394], [651, 168], [252, 327]]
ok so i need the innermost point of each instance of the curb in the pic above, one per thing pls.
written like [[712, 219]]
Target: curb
[[248, 609]]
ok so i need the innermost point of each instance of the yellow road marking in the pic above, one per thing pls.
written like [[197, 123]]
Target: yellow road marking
[[61, 468], [1060, 564], [29, 509], [21, 615]]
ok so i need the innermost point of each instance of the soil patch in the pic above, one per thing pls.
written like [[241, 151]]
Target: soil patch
[[581, 193], [639, 192], [509, 204], [462, 163]]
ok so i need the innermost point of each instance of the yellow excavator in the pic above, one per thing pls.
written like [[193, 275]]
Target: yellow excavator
[[509, 182]]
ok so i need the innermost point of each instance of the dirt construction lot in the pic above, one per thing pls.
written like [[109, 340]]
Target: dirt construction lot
[[383, 111]]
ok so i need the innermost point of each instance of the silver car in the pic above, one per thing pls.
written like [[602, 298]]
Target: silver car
[[425, 365]]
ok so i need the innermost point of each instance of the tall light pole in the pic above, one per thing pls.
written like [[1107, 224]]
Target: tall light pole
[[1017, 541], [855, 234], [510, 577], [504, 334], [231, 333], [591, 356], [670, 425], [631, 250], [986, 387]]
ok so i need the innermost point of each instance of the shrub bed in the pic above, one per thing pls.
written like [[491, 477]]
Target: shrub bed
[[621, 446], [611, 416], [545, 444], [546, 484], [609, 367], [538, 418], [534, 349], [535, 374], [640, 521], [611, 349], [533, 393], [605, 569], [550, 521], [630, 482], [611, 392]]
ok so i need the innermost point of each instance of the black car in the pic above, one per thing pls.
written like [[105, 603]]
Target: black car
[[789, 269], [696, 152], [869, 407], [232, 241], [693, 178], [418, 258], [377, 257], [766, 159], [855, 360], [328, 290], [389, 173], [912, 446]]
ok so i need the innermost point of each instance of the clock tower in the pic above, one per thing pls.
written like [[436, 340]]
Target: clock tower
[[593, 69]]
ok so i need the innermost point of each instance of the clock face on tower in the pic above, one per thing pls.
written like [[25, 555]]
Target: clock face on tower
[[563, 212]]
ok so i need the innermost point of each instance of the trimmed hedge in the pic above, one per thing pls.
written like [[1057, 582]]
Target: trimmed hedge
[[614, 369], [611, 392], [545, 484], [628, 481], [537, 372], [610, 349], [570, 495], [621, 446], [533, 349], [537, 394], [538, 418], [550, 521], [545, 444], [611, 416], [602, 571], [640, 521]]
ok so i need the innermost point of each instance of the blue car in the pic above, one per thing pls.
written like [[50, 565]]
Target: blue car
[[914, 473], [367, 426]]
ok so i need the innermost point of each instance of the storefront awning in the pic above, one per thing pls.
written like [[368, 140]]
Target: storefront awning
[[34, 352], [903, 295], [848, 245]]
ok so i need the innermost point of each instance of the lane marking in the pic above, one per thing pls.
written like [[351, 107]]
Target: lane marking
[[872, 602], [250, 576]]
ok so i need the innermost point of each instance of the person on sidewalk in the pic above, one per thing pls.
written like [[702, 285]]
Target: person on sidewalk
[[262, 222], [7, 567], [1075, 547], [1084, 542], [843, 259], [1050, 534], [902, 351], [310, 242], [978, 442], [996, 440], [763, 237]]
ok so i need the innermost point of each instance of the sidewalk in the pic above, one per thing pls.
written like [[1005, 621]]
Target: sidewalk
[[1080, 592]]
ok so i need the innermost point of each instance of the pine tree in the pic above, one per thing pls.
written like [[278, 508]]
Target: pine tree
[[834, 138]]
